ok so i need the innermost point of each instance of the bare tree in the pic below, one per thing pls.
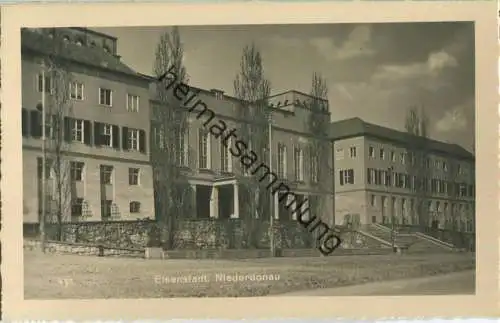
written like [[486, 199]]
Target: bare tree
[[170, 126], [58, 107], [252, 88], [416, 126], [318, 124]]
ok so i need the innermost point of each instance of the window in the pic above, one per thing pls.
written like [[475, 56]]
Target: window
[[106, 174], [106, 208], [382, 154], [352, 152], [314, 167], [133, 139], [48, 167], [403, 158], [181, 147], [105, 97], [281, 161], [427, 163], [204, 149], [371, 152], [107, 135], [378, 177], [77, 207], [76, 90], [41, 85], [225, 156], [393, 156], [76, 171], [346, 176], [77, 131], [298, 159], [133, 176], [135, 207], [247, 170], [384, 177], [339, 154], [462, 191], [132, 103], [373, 200], [372, 176], [159, 138]]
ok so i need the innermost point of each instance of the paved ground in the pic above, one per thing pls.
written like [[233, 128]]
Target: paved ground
[[454, 283]]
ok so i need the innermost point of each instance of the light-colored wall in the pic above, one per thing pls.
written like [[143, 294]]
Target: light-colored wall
[[92, 156], [356, 198], [89, 188]]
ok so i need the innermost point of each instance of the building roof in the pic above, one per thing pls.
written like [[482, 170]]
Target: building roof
[[356, 127], [43, 44]]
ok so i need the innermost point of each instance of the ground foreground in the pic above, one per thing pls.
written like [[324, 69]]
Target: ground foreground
[[69, 276], [461, 283]]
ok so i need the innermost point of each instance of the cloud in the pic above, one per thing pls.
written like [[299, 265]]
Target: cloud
[[427, 72], [440, 60], [357, 44], [452, 120]]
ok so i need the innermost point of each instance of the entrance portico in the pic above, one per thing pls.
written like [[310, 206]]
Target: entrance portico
[[216, 199]]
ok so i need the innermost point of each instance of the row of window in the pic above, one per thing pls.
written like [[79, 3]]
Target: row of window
[[400, 180], [402, 158], [447, 224], [403, 206], [76, 92], [77, 172], [80, 130], [108, 209], [204, 155], [431, 185]]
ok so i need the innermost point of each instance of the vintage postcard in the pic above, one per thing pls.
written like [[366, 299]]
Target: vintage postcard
[[249, 160]]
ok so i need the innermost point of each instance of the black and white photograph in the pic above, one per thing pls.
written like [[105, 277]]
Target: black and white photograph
[[256, 161], [156, 146]]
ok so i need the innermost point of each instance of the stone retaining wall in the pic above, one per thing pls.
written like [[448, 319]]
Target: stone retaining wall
[[78, 249], [191, 234]]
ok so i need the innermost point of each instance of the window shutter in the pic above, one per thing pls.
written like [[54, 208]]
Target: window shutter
[[67, 129], [116, 136], [142, 141], [24, 123], [87, 132], [351, 175], [97, 133], [341, 177], [125, 138], [36, 124]]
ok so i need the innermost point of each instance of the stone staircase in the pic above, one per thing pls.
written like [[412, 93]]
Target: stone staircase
[[412, 242]]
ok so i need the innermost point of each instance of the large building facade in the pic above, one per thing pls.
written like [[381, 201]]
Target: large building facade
[[102, 136], [217, 177], [97, 125], [376, 181]]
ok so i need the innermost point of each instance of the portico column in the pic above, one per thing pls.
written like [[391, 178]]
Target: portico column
[[214, 202], [293, 206], [236, 201], [194, 209], [276, 206]]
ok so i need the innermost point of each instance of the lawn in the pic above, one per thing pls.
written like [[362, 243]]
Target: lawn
[[52, 276]]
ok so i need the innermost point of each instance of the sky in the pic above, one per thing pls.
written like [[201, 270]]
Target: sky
[[373, 71]]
